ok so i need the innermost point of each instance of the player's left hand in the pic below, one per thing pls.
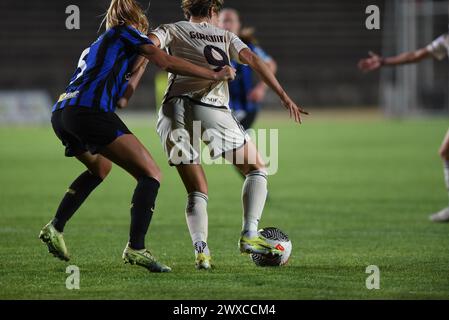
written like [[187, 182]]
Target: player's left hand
[[294, 110]]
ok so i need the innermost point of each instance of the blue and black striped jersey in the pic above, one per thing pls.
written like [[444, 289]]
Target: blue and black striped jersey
[[103, 70]]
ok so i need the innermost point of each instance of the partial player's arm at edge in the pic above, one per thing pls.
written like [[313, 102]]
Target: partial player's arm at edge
[[407, 57], [374, 61], [250, 58]]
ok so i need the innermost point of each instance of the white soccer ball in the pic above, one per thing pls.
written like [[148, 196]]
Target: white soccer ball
[[277, 239]]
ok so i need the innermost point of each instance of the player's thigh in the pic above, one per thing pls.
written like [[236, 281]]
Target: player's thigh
[[193, 177], [222, 132], [130, 154], [96, 164], [246, 159], [444, 149]]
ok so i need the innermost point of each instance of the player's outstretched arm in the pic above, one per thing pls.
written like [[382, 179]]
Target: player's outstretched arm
[[248, 57], [374, 61], [136, 75], [258, 93], [182, 67]]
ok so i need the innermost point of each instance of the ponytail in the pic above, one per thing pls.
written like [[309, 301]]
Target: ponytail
[[126, 12]]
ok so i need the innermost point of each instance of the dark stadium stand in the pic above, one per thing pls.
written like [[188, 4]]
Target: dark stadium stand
[[317, 45]]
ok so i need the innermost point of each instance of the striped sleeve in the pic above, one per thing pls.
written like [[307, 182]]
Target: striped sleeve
[[133, 38]]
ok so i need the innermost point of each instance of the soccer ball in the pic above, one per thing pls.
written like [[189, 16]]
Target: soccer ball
[[280, 241]]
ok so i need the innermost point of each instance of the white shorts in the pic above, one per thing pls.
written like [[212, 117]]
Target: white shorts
[[183, 123]]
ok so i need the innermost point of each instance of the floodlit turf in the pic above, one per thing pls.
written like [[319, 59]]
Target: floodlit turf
[[350, 193]]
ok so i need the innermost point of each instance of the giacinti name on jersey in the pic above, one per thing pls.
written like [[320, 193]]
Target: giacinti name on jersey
[[206, 37]]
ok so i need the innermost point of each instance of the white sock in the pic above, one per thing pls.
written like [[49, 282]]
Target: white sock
[[254, 195], [197, 221], [446, 174]]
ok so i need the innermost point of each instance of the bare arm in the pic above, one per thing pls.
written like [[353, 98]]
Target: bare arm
[[259, 91], [272, 65], [375, 61], [182, 67], [408, 57], [137, 72], [248, 57]]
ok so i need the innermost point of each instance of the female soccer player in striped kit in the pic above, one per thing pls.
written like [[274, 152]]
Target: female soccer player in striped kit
[[190, 101], [84, 120], [438, 49]]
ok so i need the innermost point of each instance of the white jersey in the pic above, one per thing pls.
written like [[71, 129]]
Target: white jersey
[[440, 47], [205, 45]]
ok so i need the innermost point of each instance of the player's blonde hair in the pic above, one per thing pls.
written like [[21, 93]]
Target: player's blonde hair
[[200, 8], [126, 12]]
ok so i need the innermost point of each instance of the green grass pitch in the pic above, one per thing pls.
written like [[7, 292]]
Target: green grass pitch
[[350, 193]]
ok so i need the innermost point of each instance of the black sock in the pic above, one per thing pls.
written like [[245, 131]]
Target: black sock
[[142, 207], [74, 198]]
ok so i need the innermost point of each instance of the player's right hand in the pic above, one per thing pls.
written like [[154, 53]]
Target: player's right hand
[[226, 74], [372, 63]]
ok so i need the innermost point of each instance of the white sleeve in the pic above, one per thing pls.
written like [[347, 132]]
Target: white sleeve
[[236, 45], [439, 47], [163, 34]]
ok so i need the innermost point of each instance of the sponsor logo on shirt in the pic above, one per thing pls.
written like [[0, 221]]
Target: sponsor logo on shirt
[[68, 95]]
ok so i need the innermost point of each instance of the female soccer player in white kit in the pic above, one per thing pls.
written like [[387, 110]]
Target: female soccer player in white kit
[[438, 49], [194, 110]]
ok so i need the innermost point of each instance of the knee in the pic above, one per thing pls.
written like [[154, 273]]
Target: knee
[[149, 169], [152, 172], [101, 168], [105, 169], [157, 176]]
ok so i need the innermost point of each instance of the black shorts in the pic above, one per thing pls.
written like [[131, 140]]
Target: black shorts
[[82, 129]]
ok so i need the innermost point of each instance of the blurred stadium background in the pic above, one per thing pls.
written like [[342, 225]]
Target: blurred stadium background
[[316, 43]]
